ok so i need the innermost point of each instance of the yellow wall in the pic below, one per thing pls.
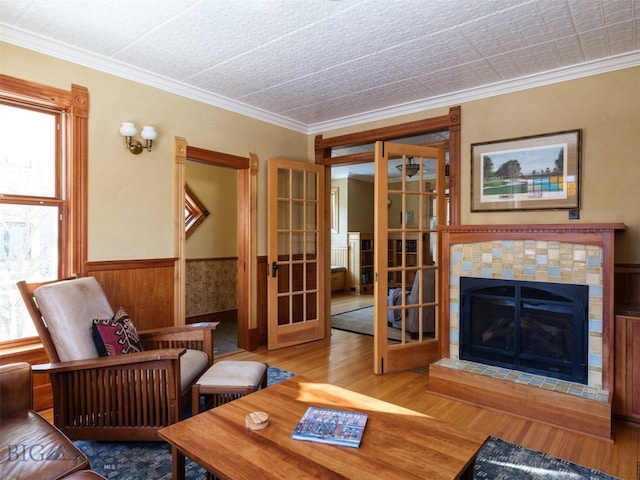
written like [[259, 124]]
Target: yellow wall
[[607, 109], [216, 188], [360, 206], [604, 106], [131, 205]]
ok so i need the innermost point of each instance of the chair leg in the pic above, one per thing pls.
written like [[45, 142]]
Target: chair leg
[[195, 400], [264, 378]]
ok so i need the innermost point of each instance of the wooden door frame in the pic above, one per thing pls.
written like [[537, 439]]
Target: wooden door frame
[[324, 147], [247, 230]]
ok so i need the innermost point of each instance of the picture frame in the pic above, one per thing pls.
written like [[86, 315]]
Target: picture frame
[[528, 173]]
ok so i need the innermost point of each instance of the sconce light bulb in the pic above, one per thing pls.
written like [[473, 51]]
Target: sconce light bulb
[[128, 129], [148, 133]]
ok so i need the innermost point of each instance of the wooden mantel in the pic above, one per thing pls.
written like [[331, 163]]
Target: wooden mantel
[[598, 234], [534, 228]]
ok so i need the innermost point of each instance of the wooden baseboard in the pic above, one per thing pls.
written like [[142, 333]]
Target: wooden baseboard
[[589, 417], [226, 316]]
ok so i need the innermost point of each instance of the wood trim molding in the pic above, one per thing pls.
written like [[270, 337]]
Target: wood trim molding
[[179, 287], [247, 229], [217, 158], [111, 265], [386, 133], [451, 121], [520, 229], [76, 102]]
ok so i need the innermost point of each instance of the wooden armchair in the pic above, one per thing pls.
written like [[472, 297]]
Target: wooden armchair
[[119, 397]]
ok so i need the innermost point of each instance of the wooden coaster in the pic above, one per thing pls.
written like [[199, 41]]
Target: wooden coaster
[[257, 420]]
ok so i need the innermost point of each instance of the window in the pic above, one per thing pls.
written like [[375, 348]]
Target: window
[[194, 211], [31, 209], [42, 193]]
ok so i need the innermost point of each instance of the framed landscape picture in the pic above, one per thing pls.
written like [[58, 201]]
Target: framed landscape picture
[[528, 173]]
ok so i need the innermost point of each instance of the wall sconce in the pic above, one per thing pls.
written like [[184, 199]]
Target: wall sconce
[[129, 130]]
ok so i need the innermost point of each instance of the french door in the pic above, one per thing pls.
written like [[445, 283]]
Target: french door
[[407, 210], [296, 253]]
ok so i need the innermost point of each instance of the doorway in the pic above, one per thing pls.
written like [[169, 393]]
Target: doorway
[[351, 219], [244, 170], [355, 150], [211, 252]]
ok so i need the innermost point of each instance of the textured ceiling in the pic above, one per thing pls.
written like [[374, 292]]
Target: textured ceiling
[[311, 65]]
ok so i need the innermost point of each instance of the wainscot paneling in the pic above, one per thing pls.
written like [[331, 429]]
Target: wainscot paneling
[[144, 288], [258, 336]]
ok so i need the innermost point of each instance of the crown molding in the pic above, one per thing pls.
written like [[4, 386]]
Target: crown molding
[[84, 58], [53, 48], [596, 67]]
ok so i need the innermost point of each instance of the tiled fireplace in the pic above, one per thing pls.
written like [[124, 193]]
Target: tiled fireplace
[[536, 261], [580, 254]]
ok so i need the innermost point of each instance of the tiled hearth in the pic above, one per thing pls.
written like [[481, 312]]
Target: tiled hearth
[[523, 378]]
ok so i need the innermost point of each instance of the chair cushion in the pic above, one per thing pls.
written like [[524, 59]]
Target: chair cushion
[[192, 364], [115, 336], [68, 308], [232, 373]]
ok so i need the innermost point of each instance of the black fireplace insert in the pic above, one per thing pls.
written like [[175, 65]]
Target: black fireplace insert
[[534, 327]]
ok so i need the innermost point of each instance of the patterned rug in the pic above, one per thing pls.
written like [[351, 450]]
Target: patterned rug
[[152, 459], [497, 460]]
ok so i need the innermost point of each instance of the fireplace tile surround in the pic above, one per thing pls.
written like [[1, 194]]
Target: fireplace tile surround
[[557, 253], [532, 260]]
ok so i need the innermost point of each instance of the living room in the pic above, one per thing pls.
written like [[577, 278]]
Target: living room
[[135, 195]]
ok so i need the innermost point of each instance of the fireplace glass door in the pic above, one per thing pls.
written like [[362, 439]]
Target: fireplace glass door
[[529, 326]]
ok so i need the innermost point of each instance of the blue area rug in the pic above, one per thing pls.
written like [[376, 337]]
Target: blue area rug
[[497, 460], [152, 459]]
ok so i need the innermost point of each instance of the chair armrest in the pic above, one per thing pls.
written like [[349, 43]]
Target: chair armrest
[[15, 389], [112, 361], [196, 336], [189, 328]]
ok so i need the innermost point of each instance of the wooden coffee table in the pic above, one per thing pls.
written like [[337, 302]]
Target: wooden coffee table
[[397, 442]]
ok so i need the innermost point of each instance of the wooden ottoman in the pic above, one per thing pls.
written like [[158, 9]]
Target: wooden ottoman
[[227, 380]]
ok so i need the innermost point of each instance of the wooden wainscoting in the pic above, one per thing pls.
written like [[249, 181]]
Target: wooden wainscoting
[[144, 288], [340, 256], [257, 337]]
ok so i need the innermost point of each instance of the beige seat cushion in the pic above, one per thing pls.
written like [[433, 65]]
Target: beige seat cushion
[[230, 373], [69, 308], [192, 363]]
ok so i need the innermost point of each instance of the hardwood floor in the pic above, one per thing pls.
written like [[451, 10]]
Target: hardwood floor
[[346, 360], [345, 302]]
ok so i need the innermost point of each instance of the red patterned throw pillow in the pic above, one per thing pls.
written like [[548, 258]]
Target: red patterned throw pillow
[[116, 336]]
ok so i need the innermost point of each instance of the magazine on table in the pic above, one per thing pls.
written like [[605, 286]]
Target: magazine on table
[[336, 427]]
